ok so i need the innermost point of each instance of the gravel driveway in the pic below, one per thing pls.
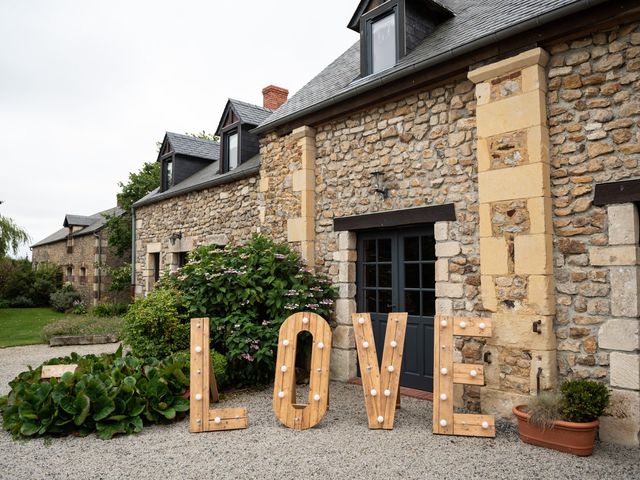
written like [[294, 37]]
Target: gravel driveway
[[340, 447]]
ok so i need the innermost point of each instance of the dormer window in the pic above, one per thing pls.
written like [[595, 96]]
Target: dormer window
[[182, 155], [239, 144], [390, 29], [382, 37], [231, 150], [382, 42], [168, 169]]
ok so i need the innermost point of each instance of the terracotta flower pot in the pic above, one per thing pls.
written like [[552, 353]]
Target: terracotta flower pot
[[569, 437]]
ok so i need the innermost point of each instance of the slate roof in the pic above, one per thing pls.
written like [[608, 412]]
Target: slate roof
[[249, 113], [97, 221], [474, 22], [205, 178], [77, 220], [195, 147]]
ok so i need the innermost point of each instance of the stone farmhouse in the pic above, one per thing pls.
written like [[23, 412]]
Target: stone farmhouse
[[81, 250], [462, 157]]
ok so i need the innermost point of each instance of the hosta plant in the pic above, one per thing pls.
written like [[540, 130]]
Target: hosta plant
[[108, 394]]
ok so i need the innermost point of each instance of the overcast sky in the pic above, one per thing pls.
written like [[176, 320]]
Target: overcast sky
[[87, 88]]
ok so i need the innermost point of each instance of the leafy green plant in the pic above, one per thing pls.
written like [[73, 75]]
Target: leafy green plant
[[583, 400], [120, 278], [64, 300], [82, 325], [157, 325], [21, 302], [79, 308], [110, 309], [544, 409], [108, 394], [18, 280], [247, 292]]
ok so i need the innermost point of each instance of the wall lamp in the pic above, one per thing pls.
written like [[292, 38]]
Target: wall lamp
[[174, 237], [378, 185]]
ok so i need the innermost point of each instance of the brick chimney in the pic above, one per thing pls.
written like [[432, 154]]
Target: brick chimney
[[273, 97]]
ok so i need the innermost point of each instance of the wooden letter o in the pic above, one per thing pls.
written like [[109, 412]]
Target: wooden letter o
[[302, 416]]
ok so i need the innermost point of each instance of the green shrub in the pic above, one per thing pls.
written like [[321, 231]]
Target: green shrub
[[79, 308], [4, 303], [110, 309], [82, 325], [21, 302], [19, 280], [47, 279], [157, 325], [120, 278], [16, 278], [64, 300], [247, 292], [583, 400], [108, 394]]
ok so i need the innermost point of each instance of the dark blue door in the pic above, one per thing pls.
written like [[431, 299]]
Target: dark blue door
[[396, 272]]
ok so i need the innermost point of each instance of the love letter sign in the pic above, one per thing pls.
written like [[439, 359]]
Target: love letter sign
[[302, 416]]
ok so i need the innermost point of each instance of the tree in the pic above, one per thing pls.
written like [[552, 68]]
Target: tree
[[203, 135], [11, 237], [140, 183]]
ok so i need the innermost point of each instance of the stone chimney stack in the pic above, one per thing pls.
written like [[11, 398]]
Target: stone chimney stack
[[274, 96]]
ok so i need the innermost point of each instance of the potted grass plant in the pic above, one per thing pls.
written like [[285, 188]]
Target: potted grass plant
[[565, 421]]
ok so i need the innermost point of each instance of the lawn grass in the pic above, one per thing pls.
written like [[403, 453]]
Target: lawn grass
[[82, 325], [23, 326], [28, 326]]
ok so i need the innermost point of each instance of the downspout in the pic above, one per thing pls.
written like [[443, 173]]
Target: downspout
[[133, 253], [98, 236]]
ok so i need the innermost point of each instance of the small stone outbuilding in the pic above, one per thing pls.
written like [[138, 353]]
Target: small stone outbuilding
[[81, 250]]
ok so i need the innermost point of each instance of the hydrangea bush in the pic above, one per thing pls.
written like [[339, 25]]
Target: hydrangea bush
[[247, 292]]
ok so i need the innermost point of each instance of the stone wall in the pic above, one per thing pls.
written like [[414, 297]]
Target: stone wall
[[219, 215], [594, 114], [424, 145], [282, 158], [84, 255]]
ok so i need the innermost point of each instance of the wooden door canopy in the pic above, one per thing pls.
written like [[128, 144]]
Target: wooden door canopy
[[204, 387], [446, 374], [381, 388], [626, 191], [302, 416], [396, 218]]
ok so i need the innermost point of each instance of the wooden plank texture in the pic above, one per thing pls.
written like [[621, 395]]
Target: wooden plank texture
[[446, 373], [199, 375], [463, 374], [369, 369], [443, 373], [471, 327], [291, 414], [392, 356], [227, 419], [474, 425], [56, 371], [380, 386], [203, 387]]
